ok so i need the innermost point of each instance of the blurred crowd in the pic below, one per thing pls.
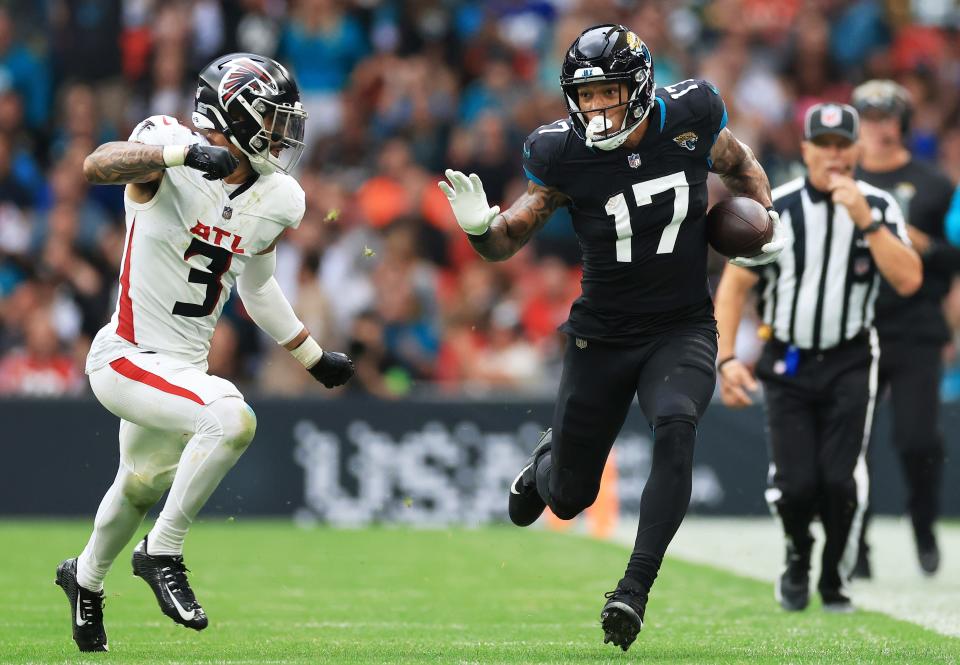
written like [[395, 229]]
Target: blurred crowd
[[397, 91]]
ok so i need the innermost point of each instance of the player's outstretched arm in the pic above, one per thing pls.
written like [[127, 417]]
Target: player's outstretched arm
[[271, 311], [130, 162], [497, 236], [739, 169], [123, 162]]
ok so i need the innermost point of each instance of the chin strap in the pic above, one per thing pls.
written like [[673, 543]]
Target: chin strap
[[257, 162], [261, 165]]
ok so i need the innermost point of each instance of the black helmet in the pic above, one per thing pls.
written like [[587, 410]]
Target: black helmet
[[609, 53], [885, 97], [255, 102]]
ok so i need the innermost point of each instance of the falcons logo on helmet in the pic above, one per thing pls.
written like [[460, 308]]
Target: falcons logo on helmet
[[243, 74]]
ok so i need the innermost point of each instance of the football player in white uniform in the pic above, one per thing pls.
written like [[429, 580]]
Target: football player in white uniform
[[204, 211]]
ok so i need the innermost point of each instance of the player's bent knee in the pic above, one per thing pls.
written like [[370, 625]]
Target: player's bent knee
[[567, 511], [674, 439], [241, 427], [676, 408], [570, 505], [143, 490], [232, 421]]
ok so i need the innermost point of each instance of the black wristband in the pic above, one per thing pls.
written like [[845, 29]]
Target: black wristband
[[724, 362], [875, 226], [480, 239]]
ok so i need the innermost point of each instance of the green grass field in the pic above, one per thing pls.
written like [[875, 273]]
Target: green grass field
[[278, 594]]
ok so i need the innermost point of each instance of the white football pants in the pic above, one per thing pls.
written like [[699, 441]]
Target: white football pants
[[180, 429]]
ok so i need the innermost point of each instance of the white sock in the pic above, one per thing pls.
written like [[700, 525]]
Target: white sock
[[224, 430]]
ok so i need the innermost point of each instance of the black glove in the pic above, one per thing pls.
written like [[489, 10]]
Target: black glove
[[215, 162], [333, 369]]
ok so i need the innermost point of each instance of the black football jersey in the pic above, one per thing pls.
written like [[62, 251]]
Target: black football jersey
[[924, 194], [639, 215]]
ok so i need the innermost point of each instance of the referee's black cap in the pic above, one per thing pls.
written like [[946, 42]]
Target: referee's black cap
[[831, 119]]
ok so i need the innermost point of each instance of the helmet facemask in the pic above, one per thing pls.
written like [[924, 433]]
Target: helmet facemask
[[595, 131], [281, 129]]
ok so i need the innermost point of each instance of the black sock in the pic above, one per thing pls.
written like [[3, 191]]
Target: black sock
[[665, 499]]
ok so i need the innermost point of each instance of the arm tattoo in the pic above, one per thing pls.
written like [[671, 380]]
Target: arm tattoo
[[739, 169], [511, 229], [121, 162]]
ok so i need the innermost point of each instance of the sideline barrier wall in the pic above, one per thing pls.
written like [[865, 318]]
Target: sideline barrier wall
[[355, 462]]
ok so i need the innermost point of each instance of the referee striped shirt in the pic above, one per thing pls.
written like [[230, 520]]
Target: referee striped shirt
[[822, 288]]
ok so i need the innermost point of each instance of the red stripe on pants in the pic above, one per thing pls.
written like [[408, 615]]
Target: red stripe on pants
[[128, 369]]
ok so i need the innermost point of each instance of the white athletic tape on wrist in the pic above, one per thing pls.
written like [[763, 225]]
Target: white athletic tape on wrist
[[174, 155], [308, 353]]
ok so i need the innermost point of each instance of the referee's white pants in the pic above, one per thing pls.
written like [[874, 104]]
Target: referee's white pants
[[180, 429]]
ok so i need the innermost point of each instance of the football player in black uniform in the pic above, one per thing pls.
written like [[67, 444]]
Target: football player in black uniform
[[631, 165], [912, 330]]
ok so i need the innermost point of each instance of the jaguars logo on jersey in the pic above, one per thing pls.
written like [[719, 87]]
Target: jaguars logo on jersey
[[686, 140]]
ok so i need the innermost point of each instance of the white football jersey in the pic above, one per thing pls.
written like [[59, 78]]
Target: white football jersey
[[184, 250]]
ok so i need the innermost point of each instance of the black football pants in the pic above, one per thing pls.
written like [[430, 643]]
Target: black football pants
[[819, 422], [673, 378], [913, 372]]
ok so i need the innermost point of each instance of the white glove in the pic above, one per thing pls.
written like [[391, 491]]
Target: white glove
[[469, 202], [770, 251]]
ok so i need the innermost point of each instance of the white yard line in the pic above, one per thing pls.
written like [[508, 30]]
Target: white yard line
[[753, 547]]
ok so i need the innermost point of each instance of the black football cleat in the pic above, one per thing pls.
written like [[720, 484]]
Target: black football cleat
[[929, 559], [792, 590], [928, 553], [836, 601], [622, 614], [525, 505], [167, 576], [86, 609]]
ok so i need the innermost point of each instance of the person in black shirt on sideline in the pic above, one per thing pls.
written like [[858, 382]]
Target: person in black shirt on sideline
[[819, 365], [912, 330], [631, 164]]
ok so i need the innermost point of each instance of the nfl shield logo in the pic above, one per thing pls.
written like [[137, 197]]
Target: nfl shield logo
[[633, 160], [227, 212], [581, 343]]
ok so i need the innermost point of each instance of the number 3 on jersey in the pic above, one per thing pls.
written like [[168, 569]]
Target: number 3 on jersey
[[643, 193], [220, 259]]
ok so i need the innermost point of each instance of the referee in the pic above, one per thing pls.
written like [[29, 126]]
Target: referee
[[912, 330], [819, 365]]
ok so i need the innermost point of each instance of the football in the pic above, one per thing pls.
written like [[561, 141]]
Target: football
[[738, 226]]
